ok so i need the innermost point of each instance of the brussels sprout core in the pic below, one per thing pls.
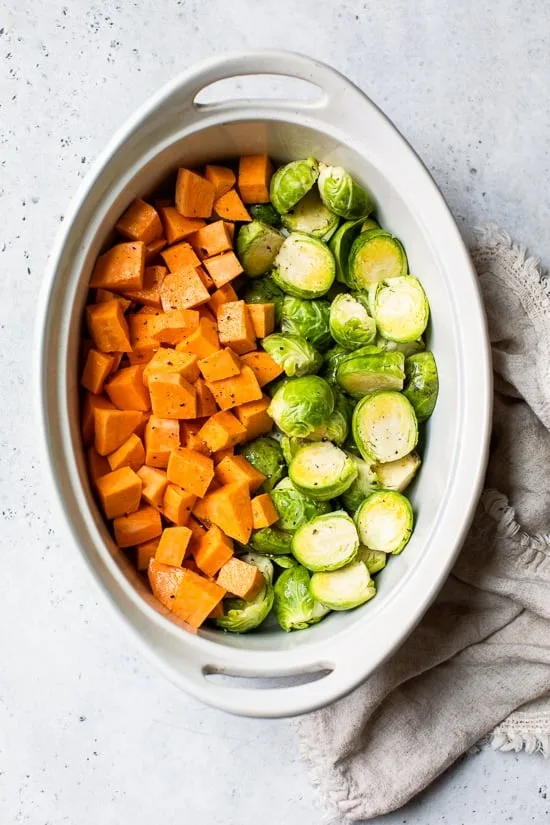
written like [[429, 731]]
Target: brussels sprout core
[[257, 247], [327, 542], [322, 470], [311, 216], [375, 256], [385, 521], [359, 374], [304, 266], [397, 475], [343, 589], [400, 308], [351, 325], [384, 426]]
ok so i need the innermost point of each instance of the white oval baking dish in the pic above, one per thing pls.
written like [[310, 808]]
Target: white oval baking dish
[[340, 126]]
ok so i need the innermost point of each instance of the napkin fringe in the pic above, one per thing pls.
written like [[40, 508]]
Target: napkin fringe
[[333, 794], [530, 741], [497, 507]]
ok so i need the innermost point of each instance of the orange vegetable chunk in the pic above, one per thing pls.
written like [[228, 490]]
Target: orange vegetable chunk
[[264, 513], [254, 176], [172, 396], [140, 356], [189, 435], [97, 368], [241, 579], [230, 207], [165, 581], [194, 195], [107, 326], [219, 455], [119, 492], [127, 390], [225, 295], [97, 465], [143, 525], [221, 177], [180, 256], [237, 390], [149, 294], [169, 360], [206, 403], [113, 427], [221, 431], [172, 546], [196, 598], [162, 435], [140, 222], [121, 267], [223, 268], [263, 366], [211, 239], [104, 295], [153, 249], [183, 289], [178, 504], [130, 454], [235, 327], [91, 404], [213, 551], [263, 318], [229, 507], [154, 484], [142, 325], [255, 418], [197, 530], [146, 552], [190, 470], [203, 342], [174, 326], [176, 227], [236, 469], [220, 364]]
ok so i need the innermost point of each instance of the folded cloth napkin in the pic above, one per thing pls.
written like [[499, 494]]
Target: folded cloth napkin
[[483, 649]]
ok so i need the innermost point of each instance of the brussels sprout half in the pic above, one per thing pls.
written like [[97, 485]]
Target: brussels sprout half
[[301, 405], [290, 446], [266, 213], [291, 182], [375, 256], [265, 291], [337, 427], [343, 589], [340, 245], [322, 470], [304, 266], [294, 507], [327, 542], [400, 308], [351, 326], [384, 426], [368, 224], [406, 347], [257, 247], [265, 455], [342, 194], [294, 606], [366, 482], [360, 374], [375, 560], [293, 353], [385, 521], [310, 319], [310, 215], [421, 383], [397, 475], [271, 541], [241, 616]]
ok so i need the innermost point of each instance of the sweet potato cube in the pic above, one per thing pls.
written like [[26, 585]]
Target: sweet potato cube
[[213, 551], [235, 327], [263, 318], [264, 513], [255, 418], [140, 222], [223, 268], [154, 483], [211, 239], [206, 403], [97, 368], [237, 390], [142, 326], [183, 289], [221, 177], [162, 435], [197, 530], [216, 612], [164, 580], [104, 295], [219, 455], [119, 492], [153, 249], [172, 396], [177, 504], [174, 326], [189, 434], [231, 229], [194, 195], [127, 390], [180, 256], [196, 598], [207, 283], [143, 525], [263, 366], [140, 429], [145, 552], [140, 357], [203, 342], [113, 427], [220, 364], [190, 470], [241, 579], [221, 431], [169, 360], [149, 294], [225, 295], [107, 327], [176, 227], [229, 207], [236, 468], [90, 405], [98, 465], [130, 454], [229, 507], [172, 546], [254, 176], [121, 267]]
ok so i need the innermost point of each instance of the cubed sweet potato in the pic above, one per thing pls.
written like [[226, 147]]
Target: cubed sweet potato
[[225, 295], [98, 465], [90, 405], [254, 417], [223, 268], [236, 468], [141, 326], [241, 579], [180, 256], [169, 360], [235, 327], [140, 222], [229, 507], [119, 492], [130, 454], [203, 342], [237, 390], [196, 598], [263, 318], [211, 240], [229, 207], [127, 390], [154, 483], [254, 176], [107, 327], [220, 364], [149, 294], [162, 435], [264, 513], [97, 368], [145, 552], [206, 403], [194, 194], [178, 504], [172, 546], [143, 525], [221, 177], [213, 551], [153, 249], [121, 267], [263, 366], [221, 431], [190, 470], [112, 427], [174, 326], [183, 289], [176, 226], [172, 396]]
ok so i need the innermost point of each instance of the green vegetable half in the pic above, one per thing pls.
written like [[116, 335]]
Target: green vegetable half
[[340, 245], [375, 560], [271, 541], [291, 182], [293, 353], [342, 194], [421, 383], [351, 326], [366, 482], [360, 374], [332, 358], [304, 266], [301, 405], [327, 542], [384, 426], [257, 247], [310, 215], [397, 475], [322, 470], [294, 606], [385, 521], [337, 427], [375, 256], [294, 507], [310, 319], [266, 213], [400, 308], [343, 589], [265, 455]]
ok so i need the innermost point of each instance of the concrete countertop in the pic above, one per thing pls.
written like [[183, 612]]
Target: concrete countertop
[[88, 731]]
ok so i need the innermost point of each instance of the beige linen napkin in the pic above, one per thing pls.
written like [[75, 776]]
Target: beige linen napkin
[[481, 656]]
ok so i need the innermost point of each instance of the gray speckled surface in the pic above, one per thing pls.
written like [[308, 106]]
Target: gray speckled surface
[[88, 731]]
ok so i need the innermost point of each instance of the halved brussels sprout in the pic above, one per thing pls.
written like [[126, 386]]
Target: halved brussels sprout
[[351, 326], [343, 589], [342, 194], [284, 562], [257, 247], [290, 446], [332, 358], [294, 606], [365, 483], [368, 224], [421, 383], [304, 266], [241, 616], [302, 405], [293, 353], [291, 182], [266, 213], [310, 319], [340, 245], [375, 256], [327, 542], [322, 470], [384, 426], [310, 215], [375, 560], [385, 521], [271, 541], [337, 427], [362, 374], [265, 291], [400, 308], [294, 507], [406, 347], [397, 475], [265, 455]]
